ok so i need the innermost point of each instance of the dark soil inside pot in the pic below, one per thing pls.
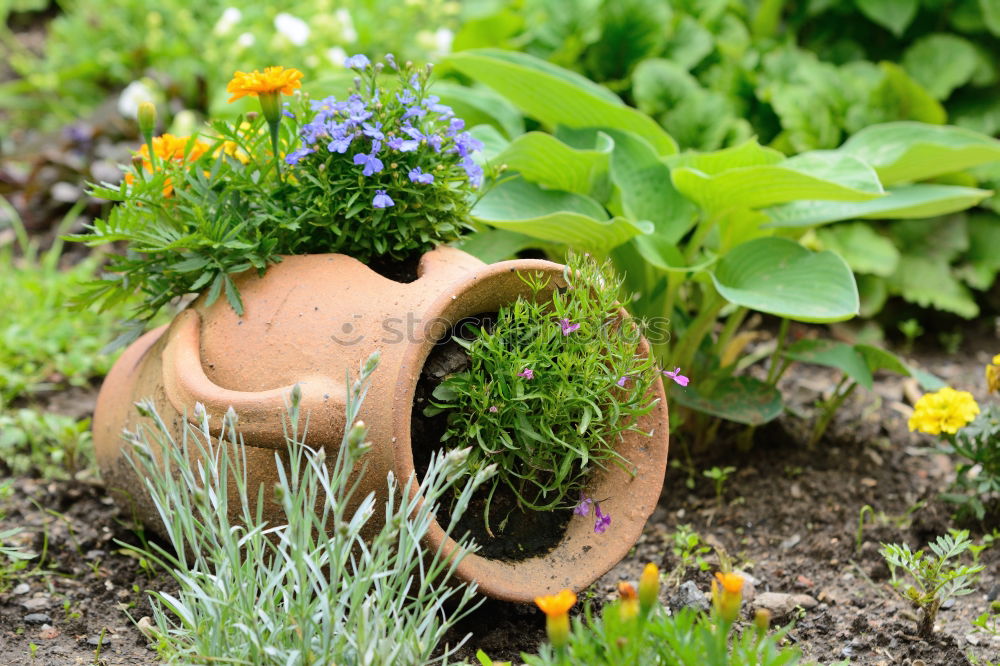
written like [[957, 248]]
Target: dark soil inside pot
[[513, 534], [398, 270]]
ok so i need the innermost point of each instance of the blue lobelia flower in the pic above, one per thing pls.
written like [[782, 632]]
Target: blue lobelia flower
[[294, 157], [373, 131], [403, 145], [382, 200], [358, 61], [372, 164], [340, 139], [418, 176]]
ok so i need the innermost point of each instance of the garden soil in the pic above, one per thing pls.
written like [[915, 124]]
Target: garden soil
[[788, 518]]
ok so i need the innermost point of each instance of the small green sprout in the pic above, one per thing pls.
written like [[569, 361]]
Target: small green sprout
[[719, 476], [936, 578]]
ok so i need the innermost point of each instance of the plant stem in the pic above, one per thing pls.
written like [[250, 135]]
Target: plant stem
[[773, 370], [732, 325], [699, 328], [830, 408], [765, 21]]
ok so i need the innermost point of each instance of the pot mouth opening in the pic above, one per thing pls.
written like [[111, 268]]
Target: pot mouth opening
[[494, 518], [403, 270]]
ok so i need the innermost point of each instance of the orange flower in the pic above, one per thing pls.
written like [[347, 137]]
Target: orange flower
[[629, 607], [556, 604], [556, 608], [727, 600], [169, 148], [271, 81]]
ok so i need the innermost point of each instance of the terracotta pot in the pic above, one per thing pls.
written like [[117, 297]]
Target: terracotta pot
[[311, 319]]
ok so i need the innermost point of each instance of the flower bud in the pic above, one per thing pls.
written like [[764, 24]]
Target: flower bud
[[727, 595], [762, 620], [147, 120], [629, 606], [556, 608], [649, 588]]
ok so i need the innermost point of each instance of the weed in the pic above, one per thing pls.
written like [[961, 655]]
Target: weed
[[719, 476]]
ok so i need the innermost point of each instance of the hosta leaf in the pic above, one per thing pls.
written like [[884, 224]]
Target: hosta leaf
[[495, 245], [941, 62], [563, 217], [555, 96], [908, 151], [930, 283], [480, 105], [832, 354], [893, 15], [864, 250], [901, 202], [740, 399], [545, 160], [817, 175], [779, 276]]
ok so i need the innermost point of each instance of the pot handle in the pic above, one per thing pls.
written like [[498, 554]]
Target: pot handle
[[261, 415]]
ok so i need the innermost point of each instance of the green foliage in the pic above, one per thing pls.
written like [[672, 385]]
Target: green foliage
[[43, 345], [312, 590], [200, 213], [700, 234], [936, 577], [719, 476], [689, 552], [977, 480], [191, 49], [551, 387], [12, 558], [44, 443], [686, 638]]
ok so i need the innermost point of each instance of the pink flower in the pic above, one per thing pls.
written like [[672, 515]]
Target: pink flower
[[527, 373], [677, 376], [567, 327], [493, 409], [602, 519], [621, 382]]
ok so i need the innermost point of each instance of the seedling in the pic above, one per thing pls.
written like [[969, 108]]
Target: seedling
[[719, 476], [935, 578], [689, 551]]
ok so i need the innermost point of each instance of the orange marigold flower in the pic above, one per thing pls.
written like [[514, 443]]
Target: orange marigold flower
[[272, 80], [169, 148], [629, 606], [556, 604], [727, 595]]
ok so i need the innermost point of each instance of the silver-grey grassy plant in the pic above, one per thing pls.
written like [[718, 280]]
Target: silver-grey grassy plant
[[301, 592]]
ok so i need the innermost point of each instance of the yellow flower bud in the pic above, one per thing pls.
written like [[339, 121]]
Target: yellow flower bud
[[629, 606], [649, 588], [762, 620], [146, 116]]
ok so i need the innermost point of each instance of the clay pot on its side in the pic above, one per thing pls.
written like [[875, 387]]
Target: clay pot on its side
[[311, 319]]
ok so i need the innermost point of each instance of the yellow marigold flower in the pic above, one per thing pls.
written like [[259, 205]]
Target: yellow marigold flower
[[271, 81], [727, 595], [649, 587], [946, 411], [993, 375], [232, 149], [169, 148], [556, 608]]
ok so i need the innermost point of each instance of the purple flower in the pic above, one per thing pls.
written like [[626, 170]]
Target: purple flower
[[465, 143], [493, 409], [434, 141], [583, 508], [382, 200], [677, 376], [602, 520], [527, 373], [406, 97], [403, 145], [621, 382], [373, 131], [341, 142], [294, 157], [472, 171], [567, 327], [455, 125], [414, 112], [359, 61], [418, 176], [371, 163], [391, 61]]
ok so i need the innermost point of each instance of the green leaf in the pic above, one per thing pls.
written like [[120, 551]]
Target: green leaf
[[495, 245], [556, 96], [493, 142], [903, 202], [909, 151], [991, 15], [864, 250], [832, 354], [930, 283], [780, 277], [817, 175], [747, 154], [893, 15], [545, 160], [982, 258], [563, 217], [941, 62], [741, 399], [480, 105], [647, 192], [666, 256]]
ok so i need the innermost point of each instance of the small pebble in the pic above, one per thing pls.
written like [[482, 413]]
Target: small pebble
[[37, 618], [23, 588], [104, 641], [688, 596]]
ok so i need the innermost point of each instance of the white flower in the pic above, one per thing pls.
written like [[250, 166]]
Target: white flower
[[336, 56], [295, 29], [347, 31], [132, 96], [246, 40], [229, 18], [443, 39]]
